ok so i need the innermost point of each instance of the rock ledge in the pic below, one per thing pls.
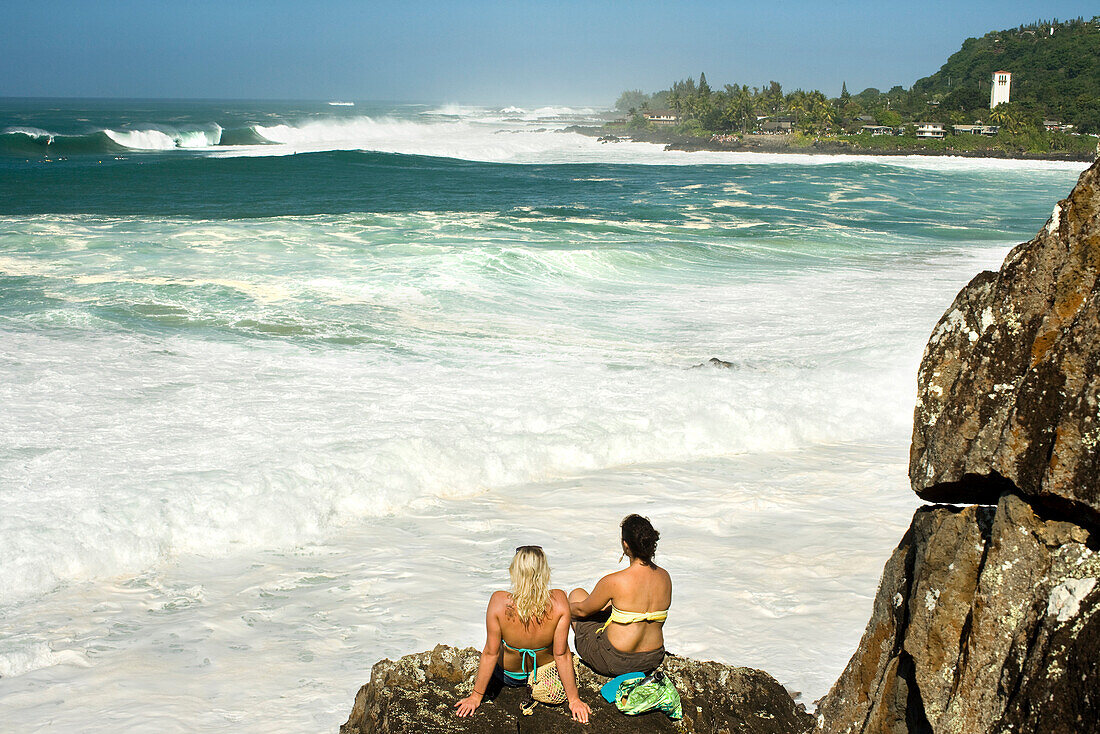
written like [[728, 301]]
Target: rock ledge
[[418, 692]]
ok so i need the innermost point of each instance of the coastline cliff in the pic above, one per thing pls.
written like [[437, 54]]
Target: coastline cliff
[[986, 617]]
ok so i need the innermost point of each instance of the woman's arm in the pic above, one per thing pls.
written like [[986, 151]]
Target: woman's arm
[[599, 599], [564, 661], [490, 654]]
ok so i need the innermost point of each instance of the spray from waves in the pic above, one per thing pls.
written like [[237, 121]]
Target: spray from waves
[[460, 138], [485, 114]]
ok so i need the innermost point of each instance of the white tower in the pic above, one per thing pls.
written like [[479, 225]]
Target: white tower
[[1002, 85]]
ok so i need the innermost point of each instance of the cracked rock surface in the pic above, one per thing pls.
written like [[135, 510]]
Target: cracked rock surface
[[1009, 383], [986, 620], [418, 692]]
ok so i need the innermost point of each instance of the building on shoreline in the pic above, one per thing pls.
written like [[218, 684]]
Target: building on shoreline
[[778, 126], [978, 129], [930, 130], [1001, 89], [1056, 126], [661, 117]]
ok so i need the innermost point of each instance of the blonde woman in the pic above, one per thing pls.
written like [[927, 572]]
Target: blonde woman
[[525, 628]]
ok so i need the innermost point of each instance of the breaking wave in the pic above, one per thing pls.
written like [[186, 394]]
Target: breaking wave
[[34, 141]]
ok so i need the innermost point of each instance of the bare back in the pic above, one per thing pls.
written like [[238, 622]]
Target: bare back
[[535, 634], [639, 588]]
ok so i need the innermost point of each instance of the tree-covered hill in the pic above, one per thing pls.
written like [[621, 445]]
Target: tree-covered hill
[[1055, 71]]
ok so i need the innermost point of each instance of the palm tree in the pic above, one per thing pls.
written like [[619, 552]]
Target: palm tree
[[1006, 116], [797, 104], [676, 101], [745, 107]]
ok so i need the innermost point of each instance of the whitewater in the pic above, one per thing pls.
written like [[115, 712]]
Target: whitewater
[[284, 384]]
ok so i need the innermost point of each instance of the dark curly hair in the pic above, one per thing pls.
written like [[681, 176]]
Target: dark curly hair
[[640, 537]]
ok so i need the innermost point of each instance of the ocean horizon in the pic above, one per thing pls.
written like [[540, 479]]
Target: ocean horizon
[[285, 382]]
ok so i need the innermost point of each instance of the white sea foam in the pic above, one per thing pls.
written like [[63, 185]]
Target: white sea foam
[[197, 455], [277, 440], [165, 138], [780, 548], [22, 659]]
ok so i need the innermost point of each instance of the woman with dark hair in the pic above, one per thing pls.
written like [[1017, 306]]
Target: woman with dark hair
[[618, 627]]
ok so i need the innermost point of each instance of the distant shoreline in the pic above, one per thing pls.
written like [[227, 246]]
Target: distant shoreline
[[819, 146]]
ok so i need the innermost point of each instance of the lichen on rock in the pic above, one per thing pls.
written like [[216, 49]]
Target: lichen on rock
[[974, 660], [1008, 385]]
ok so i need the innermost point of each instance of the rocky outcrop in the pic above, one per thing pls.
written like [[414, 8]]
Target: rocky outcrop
[[714, 362], [1009, 383], [418, 693], [985, 621]]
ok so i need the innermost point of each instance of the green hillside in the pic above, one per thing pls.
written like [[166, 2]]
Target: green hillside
[[1055, 72]]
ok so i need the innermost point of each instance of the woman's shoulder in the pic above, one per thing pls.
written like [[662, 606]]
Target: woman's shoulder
[[499, 600], [558, 599], [615, 578]]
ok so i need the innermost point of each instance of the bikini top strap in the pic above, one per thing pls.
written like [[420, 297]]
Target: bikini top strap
[[523, 653]]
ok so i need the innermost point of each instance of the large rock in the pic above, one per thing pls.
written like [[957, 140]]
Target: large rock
[[985, 621], [418, 693], [1009, 383]]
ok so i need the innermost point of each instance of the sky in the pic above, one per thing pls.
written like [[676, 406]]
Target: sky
[[483, 51]]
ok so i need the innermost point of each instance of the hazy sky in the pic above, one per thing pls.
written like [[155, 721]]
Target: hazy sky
[[481, 52]]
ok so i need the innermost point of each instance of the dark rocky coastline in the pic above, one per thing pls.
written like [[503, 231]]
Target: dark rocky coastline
[[820, 146], [987, 616]]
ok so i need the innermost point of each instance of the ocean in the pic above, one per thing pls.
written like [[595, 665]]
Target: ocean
[[283, 384]]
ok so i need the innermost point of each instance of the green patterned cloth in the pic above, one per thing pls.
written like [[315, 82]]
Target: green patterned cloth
[[654, 691]]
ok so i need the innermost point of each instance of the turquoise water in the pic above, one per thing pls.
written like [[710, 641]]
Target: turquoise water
[[237, 335]]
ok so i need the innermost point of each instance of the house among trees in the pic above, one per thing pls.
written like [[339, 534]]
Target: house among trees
[[780, 126], [979, 129], [930, 130], [661, 117], [877, 129]]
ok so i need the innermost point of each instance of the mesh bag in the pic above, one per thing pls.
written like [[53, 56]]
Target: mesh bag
[[654, 691], [546, 685]]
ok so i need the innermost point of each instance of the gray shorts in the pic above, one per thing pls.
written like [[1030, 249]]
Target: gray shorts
[[604, 658]]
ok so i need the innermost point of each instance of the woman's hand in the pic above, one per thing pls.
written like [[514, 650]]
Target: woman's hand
[[469, 705], [580, 710]]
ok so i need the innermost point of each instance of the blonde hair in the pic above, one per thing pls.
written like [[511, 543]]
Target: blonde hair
[[530, 573]]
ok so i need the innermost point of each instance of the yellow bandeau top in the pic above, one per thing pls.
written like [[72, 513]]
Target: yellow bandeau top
[[618, 615]]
